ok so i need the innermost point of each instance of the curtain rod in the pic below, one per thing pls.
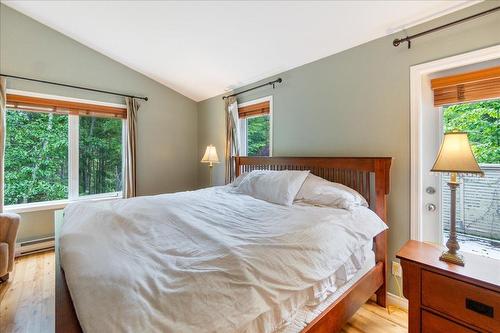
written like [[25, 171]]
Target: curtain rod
[[71, 86], [408, 39], [271, 83]]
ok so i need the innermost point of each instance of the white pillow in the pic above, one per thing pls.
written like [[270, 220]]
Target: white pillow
[[278, 187], [319, 191], [239, 179]]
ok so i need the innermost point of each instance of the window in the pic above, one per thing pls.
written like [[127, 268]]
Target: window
[[60, 150], [255, 127], [36, 157], [100, 158], [478, 204]]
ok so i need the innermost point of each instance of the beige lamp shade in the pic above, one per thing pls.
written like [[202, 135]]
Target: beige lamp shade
[[210, 155], [455, 155]]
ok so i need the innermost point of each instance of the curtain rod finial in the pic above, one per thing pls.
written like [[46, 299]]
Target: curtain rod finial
[[396, 42]]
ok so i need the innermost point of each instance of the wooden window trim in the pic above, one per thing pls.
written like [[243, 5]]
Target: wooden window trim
[[48, 105], [467, 87], [257, 109]]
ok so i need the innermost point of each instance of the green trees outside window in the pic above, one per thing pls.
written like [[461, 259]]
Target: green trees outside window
[[100, 159], [258, 136], [37, 156], [482, 121]]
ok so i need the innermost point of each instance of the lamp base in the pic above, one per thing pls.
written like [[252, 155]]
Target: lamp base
[[456, 258]]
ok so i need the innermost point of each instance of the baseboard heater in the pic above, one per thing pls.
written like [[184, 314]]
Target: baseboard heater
[[34, 246]]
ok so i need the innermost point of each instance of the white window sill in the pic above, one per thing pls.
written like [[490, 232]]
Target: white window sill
[[59, 204]]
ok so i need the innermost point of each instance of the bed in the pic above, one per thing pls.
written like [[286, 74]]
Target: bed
[[368, 176]]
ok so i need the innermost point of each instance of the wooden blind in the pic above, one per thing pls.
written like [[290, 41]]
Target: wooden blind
[[257, 109], [467, 87], [36, 104]]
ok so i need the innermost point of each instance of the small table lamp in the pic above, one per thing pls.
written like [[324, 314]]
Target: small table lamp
[[455, 156], [210, 157]]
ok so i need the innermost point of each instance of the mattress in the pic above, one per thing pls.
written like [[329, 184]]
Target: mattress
[[318, 297], [308, 313]]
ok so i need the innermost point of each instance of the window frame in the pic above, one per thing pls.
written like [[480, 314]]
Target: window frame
[[242, 124], [73, 160]]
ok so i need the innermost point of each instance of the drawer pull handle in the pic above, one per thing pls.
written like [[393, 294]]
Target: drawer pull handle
[[479, 307]]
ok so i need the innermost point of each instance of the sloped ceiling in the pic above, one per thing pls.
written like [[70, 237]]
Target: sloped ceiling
[[202, 49]]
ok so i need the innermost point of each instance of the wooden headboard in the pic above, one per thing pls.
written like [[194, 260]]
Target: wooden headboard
[[356, 172]]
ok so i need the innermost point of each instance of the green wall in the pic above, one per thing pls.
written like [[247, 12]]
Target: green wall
[[355, 103], [167, 123]]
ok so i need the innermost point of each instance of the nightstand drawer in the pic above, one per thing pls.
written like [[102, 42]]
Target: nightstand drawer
[[469, 303], [436, 324]]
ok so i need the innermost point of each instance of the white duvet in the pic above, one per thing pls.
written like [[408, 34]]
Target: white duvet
[[201, 261]]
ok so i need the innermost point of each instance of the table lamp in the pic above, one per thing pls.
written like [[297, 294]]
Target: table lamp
[[211, 158], [455, 156]]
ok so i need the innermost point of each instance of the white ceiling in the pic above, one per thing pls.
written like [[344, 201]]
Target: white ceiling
[[202, 49]]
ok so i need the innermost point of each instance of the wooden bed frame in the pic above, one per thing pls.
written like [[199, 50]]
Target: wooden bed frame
[[367, 175]]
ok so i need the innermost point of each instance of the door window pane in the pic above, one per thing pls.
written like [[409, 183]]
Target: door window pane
[[36, 157], [478, 198], [100, 169], [258, 136], [481, 121]]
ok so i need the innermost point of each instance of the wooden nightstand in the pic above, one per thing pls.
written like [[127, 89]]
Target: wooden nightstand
[[446, 298]]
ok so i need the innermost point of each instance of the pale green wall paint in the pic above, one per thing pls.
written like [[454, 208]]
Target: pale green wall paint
[[355, 103], [167, 139], [211, 130]]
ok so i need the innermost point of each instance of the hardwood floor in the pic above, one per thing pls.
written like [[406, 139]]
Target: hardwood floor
[[372, 318], [27, 299], [27, 302]]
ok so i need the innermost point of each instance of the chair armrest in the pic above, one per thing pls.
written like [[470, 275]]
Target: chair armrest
[[4, 259], [9, 225]]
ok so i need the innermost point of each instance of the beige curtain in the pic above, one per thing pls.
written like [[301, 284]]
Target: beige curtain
[[3, 110], [130, 183], [232, 136]]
